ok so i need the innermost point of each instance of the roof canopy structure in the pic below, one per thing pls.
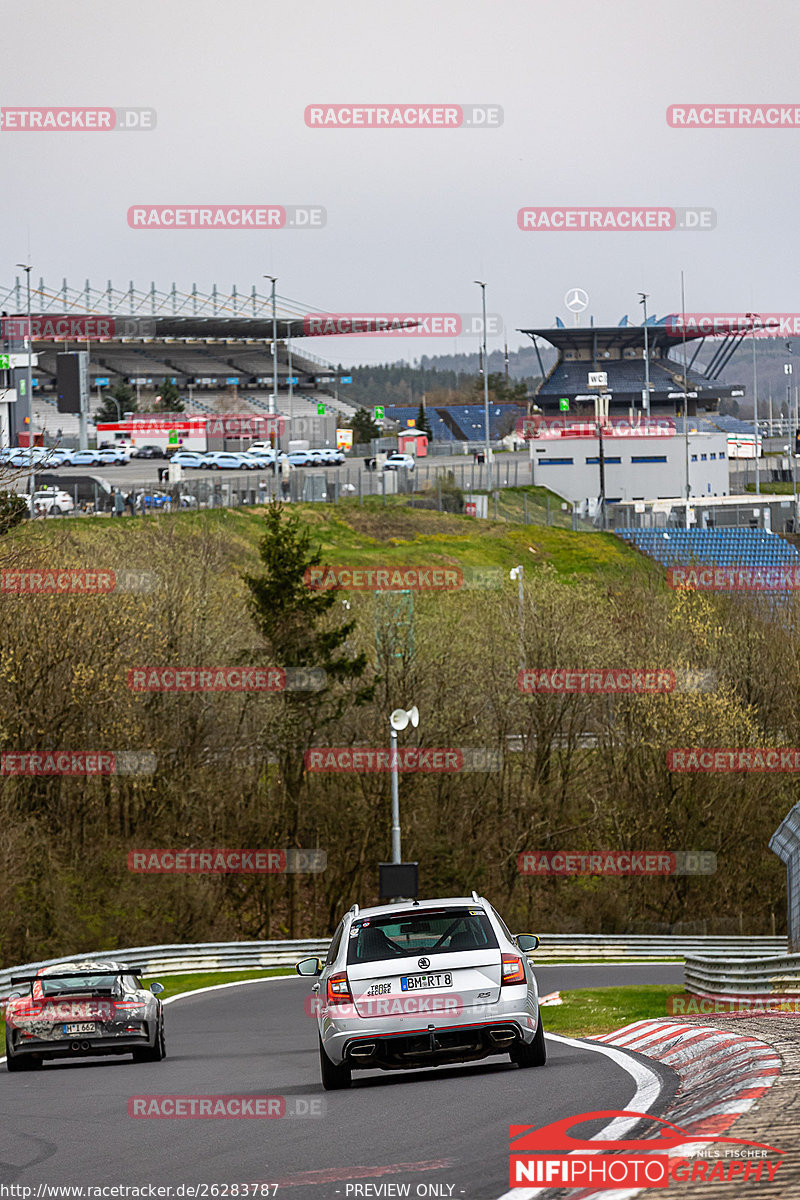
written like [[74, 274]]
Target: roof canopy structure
[[617, 352]]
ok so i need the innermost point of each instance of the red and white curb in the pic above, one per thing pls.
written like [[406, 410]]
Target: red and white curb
[[722, 1075]]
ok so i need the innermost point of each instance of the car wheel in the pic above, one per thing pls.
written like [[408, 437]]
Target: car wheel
[[533, 1055], [156, 1053], [21, 1062], [55, 511], [333, 1078]]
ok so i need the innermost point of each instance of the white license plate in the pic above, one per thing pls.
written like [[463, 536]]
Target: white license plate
[[81, 1027], [413, 983]]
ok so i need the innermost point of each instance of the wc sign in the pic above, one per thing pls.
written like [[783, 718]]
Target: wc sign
[[598, 379]]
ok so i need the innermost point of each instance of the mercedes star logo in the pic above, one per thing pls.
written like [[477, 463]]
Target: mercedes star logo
[[576, 300], [424, 962]]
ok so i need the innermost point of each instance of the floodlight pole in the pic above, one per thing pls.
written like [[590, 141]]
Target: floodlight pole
[[291, 386], [753, 316], [273, 400], [643, 302], [792, 427], [685, 398], [29, 384], [482, 286]]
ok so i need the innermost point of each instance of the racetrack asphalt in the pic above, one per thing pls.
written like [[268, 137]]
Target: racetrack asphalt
[[443, 1132]]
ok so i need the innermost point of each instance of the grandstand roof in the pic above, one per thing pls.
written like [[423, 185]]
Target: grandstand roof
[[584, 337]]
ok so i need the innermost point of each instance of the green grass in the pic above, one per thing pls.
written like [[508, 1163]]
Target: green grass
[[175, 984], [590, 1011], [778, 489], [363, 535]]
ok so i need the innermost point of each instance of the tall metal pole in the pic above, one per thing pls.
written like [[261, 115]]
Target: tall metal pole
[[291, 385], [600, 416], [685, 397], [517, 573], [396, 855], [29, 384], [755, 399], [487, 452], [273, 400], [646, 405]]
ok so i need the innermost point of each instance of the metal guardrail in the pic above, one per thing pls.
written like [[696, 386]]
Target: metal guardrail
[[189, 959], [653, 946], [237, 956], [769, 976]]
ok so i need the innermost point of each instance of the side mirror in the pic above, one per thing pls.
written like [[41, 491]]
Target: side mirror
[[156, 988], [13, 996], [527, 941], [309, 966]]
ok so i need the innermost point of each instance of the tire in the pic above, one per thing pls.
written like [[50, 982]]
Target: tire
[[533, 1055], [156, 1053], [21, 1062], [333, 1078], [55, 511]]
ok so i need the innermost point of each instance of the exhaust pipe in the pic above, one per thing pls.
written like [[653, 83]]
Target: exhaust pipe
[[502, 1037], [75, 1046], [365, 1050], [85, 1046]]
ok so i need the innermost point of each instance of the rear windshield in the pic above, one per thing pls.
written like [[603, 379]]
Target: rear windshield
[[84, 981], [431, 931]]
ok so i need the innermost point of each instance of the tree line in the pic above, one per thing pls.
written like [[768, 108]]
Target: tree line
[[559, 772]]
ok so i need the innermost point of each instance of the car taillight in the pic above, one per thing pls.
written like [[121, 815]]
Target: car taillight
[[513, 970], [339, 989]]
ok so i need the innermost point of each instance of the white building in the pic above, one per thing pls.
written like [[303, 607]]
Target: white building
[[637, 467]]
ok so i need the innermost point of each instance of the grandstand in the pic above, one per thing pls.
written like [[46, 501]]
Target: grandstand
[[460, 422], [618, 351], [713, 547], [216, 348]]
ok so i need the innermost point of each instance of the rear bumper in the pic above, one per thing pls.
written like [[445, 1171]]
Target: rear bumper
[[393, 1045], [432, 1047], [81, 1046]]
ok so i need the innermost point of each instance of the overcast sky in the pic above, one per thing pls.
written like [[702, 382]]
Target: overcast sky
[[413, 216]]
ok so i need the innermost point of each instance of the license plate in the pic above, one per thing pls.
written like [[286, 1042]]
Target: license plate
[[413, 983], [81, 1027]]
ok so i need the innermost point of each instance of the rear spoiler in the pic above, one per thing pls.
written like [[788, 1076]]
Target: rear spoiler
[[115, 972]]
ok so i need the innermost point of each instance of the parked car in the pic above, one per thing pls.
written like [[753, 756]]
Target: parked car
[[332, 457], [83, 458], [300, 458], [189, 458], [54, 501], [23, 456], [115, 456], [398, 462], [260, 458], [55, 456], [148, 452], [228, 460]]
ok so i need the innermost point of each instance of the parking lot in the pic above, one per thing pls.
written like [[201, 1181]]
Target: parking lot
[[219, 488]]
